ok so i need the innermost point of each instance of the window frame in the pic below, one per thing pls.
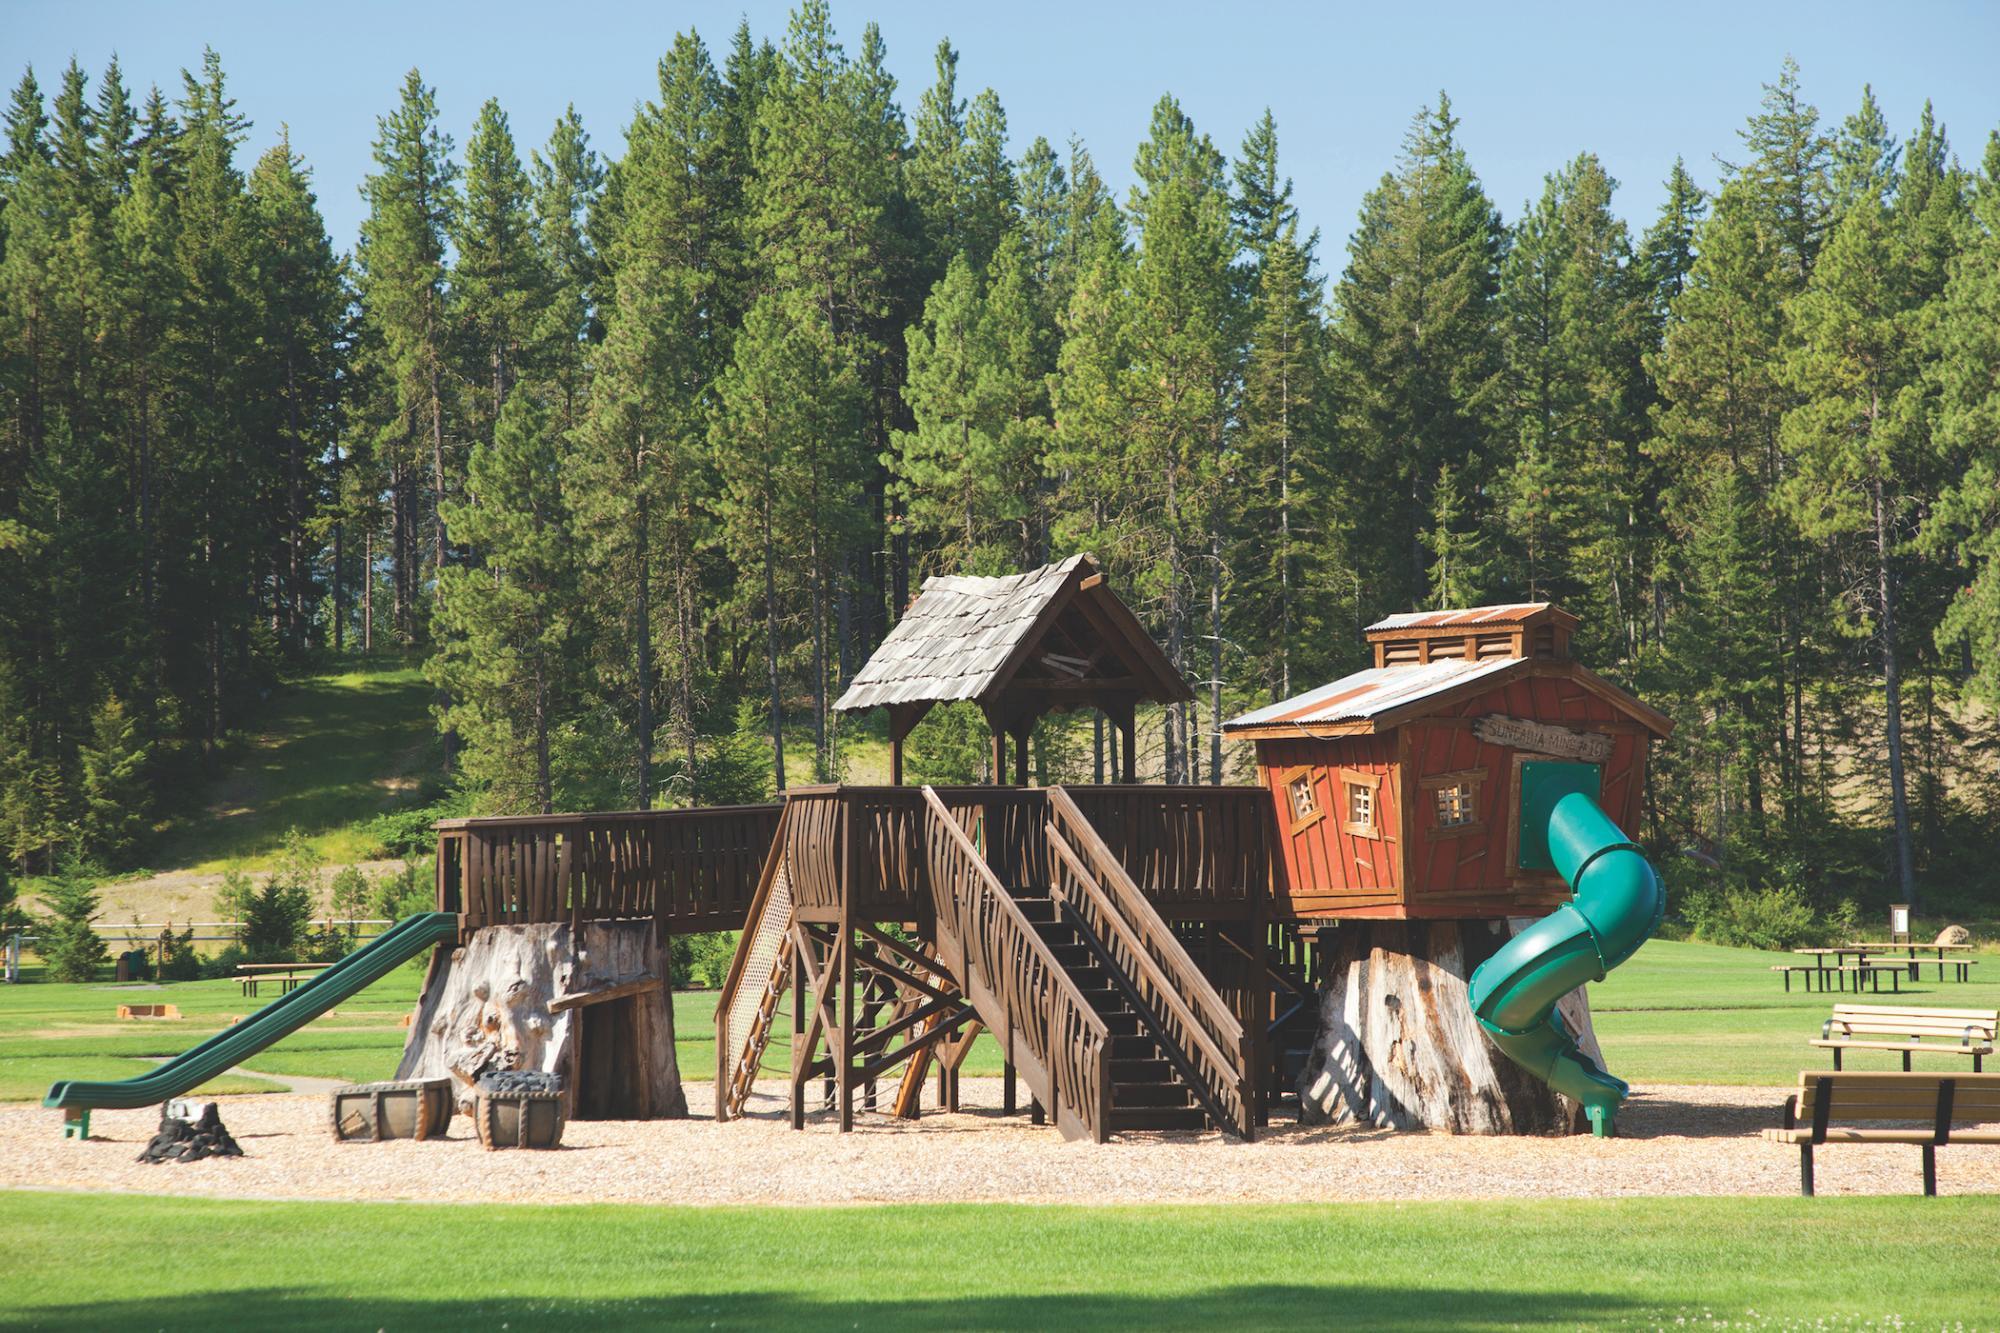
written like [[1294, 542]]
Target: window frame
[[1287, 781], [1473, 780], [1372, 782]]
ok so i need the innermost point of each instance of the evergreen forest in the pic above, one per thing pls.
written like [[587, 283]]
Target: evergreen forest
[[641, 455]]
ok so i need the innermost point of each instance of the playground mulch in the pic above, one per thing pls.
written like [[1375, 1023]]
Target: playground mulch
[[1674, 1140]]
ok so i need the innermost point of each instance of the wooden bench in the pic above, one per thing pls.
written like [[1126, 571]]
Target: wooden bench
[[1869, 973], [1833, 1108], [1870, 1027]]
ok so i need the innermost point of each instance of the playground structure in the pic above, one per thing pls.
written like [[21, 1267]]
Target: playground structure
[[1146, 956]]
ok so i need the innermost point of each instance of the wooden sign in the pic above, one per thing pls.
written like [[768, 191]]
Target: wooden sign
[[1517, 733]]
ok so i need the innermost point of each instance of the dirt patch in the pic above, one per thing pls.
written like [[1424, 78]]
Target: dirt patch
[[182, 896]]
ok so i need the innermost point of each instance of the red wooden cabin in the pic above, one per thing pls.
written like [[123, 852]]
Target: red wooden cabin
[[1396, 786]]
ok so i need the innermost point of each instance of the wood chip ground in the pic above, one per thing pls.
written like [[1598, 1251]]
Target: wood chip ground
[[1673, 1141]]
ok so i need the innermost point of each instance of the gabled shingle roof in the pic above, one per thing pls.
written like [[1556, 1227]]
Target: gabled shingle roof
[[959, 636]]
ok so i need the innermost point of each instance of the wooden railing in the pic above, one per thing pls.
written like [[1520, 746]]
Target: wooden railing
[[1058, 1042], [861, 843], [1202, 1037], [1194, 852], [688, 870]]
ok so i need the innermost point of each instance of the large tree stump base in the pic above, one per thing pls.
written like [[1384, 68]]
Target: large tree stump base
[[1398, 1047], [596, 1010]]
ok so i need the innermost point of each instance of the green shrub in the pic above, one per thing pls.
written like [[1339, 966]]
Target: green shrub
[[225, 963], [328, 945], [408, 833], [349, 893], [279, 914], [404, 893], [178, 959], [1775, 918], [68, 946], [703, 960]]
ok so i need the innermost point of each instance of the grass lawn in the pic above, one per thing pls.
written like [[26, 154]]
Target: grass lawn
[[1694, 1013], [112, 1262], [1677, 1013]]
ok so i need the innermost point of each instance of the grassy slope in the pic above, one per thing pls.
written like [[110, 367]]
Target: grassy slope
[[96, 1262], [328, 753]]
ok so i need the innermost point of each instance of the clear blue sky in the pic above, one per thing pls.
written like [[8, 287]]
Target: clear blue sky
[[1534, 83]]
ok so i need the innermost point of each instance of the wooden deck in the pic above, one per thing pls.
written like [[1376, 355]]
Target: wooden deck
[[1115, 940]]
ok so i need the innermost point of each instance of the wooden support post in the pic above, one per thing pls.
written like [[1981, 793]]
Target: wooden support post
[[800, 979], [1128, 729], [1007, 1089], [1021, 753]]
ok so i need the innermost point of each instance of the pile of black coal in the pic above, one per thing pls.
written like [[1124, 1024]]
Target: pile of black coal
[[519, 1080], [183, 1140]]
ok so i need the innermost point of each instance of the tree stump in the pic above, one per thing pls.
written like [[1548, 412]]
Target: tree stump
[[1398, 1046], [598, 1012]]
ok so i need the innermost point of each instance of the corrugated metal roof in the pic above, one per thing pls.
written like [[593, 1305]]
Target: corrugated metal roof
[[955, 637], [1372, 692], [1513, 613]]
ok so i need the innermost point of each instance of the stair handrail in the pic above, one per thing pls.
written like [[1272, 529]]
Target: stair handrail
[[733, 979], [1211, 1016], [1219, 1082], [1073, 1039]]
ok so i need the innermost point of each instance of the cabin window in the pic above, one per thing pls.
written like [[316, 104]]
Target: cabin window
[[1361, 803], [1300, 798], [1454, 803]]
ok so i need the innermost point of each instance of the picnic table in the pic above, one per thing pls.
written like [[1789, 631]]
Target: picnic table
[[287, 975], [1830, 962], [1910, 949]]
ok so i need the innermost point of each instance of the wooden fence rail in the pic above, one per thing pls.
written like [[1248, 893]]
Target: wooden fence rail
[[687, 870]]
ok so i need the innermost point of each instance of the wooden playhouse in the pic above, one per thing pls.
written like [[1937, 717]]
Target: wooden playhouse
[[1397, 787]]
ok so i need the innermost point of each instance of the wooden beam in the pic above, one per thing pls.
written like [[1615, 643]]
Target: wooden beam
[[642, 986]]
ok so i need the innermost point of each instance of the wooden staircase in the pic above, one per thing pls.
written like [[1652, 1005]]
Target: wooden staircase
[[1147, 1092], [1093, 1000]]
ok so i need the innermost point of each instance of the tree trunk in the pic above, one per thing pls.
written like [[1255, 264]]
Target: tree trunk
[[1892, 698], [1398, 1046], [486, 1007]]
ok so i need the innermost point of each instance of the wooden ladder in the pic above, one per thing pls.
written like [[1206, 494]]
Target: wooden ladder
[[757, 980]]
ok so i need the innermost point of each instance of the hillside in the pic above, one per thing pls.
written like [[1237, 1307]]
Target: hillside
[[327, 753]]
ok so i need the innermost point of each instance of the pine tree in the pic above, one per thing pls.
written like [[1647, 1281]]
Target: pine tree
[[71, 949], [499, 287], [1572, 328], [1281, 456], [645, 473], [1964, 368], [1180, 388], [302, 300], [1415, 367], [113, 785], [400, 261], [504, 659]]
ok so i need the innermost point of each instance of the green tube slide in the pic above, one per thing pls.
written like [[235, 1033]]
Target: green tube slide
[[280, 1018], [1618, 904]]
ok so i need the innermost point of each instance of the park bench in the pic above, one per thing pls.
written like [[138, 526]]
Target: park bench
[[288, 975], [1924, 1109], [1869, 974], [1868, 1027]]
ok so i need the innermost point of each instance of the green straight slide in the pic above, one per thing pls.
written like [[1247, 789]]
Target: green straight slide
[[280, 1018], [1618, 905]]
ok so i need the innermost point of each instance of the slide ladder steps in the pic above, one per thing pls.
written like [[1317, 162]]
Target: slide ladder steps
[[1146, 1091], [766, 973]]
